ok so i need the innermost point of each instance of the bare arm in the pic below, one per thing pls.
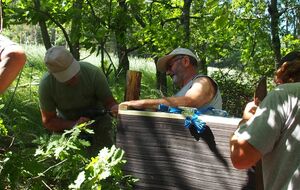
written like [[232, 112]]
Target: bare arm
[[244, 155], [12, 61], [56, 124], [198, 95], [153, 103], [111, 104], [201, 93]]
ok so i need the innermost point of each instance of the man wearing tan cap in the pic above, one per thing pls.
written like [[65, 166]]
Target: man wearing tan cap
[[196, 90], [69, 89]]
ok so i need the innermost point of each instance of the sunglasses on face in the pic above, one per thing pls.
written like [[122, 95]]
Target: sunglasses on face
[[173, 61]]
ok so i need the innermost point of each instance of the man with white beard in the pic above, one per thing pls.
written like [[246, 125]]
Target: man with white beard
[[196, 90]]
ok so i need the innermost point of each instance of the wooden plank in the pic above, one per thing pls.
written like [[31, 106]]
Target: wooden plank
[[133, 85], [259, 95], [163, 154]]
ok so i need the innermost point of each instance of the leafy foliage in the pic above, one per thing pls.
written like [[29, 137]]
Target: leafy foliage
[[104, 172], [65, 145], [3, 130], [218, 30], [236, 91], [59, 159]]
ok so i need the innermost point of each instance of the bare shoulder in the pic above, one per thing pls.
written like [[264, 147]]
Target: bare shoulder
[[201, 92], [205, 81], [14, 50]]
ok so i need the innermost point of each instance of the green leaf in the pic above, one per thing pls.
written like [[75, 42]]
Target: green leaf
[[77, 183]]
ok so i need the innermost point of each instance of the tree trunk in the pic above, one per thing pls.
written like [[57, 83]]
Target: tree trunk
[[185, 21], [161, 80], [53, 36], [102, 58], [297, 23], [133, 85], [202, 66], [161, 83], [123, 60], [43, 26], [273, 11], [75, 33], [120, 33]]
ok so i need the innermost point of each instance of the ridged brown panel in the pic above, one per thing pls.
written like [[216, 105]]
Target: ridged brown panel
[[164, 155]]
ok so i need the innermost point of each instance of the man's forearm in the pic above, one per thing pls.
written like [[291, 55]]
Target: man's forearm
[[153, 103], [59, 125], [179, 101]]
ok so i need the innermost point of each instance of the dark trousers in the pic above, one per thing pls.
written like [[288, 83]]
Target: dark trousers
[[104, 134]]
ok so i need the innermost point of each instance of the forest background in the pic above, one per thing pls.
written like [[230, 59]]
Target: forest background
[[238, 41]]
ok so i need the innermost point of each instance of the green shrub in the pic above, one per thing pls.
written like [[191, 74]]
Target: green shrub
[[57, 162], [236, 90], [105, 172]]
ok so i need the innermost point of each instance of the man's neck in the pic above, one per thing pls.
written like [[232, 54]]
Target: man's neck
[[188, 78]]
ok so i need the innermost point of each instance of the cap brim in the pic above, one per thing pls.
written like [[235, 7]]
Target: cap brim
[[162, 63], [67, 74]]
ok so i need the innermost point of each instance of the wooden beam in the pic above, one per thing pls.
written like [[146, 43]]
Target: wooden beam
[[133, 85], [259, 95]]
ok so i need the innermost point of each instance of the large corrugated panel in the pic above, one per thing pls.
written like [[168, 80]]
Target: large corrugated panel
[[164, 155]]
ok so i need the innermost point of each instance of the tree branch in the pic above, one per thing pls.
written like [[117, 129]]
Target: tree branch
[[94, 14], [57, 24]]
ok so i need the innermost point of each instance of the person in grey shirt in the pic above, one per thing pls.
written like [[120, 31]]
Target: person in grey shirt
[[271, 131]]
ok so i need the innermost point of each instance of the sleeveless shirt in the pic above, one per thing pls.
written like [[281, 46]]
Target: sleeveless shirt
[[216, 102]]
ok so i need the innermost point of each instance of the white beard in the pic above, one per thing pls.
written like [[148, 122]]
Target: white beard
[[175, 80]]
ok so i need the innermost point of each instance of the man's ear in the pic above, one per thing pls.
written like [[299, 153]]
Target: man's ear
[[186, 61]]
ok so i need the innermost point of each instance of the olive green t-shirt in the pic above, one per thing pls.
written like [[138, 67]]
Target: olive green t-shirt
[[69, 101]]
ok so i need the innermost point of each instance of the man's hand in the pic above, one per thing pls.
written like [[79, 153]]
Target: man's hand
[[137, 104], [249, 110], [114, 110], [112, 105], [82, 120], [55, 124]]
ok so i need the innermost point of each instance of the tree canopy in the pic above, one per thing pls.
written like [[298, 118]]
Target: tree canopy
[[252, 35]]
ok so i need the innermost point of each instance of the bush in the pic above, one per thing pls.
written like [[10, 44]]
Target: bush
[[105, 172], [57, 162], [236, 90]]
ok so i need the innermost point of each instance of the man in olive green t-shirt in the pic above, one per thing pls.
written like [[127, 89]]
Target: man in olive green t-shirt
[[69, 89]]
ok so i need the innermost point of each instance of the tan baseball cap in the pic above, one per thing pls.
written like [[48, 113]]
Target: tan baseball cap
[[163, 61], [61, 63]]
